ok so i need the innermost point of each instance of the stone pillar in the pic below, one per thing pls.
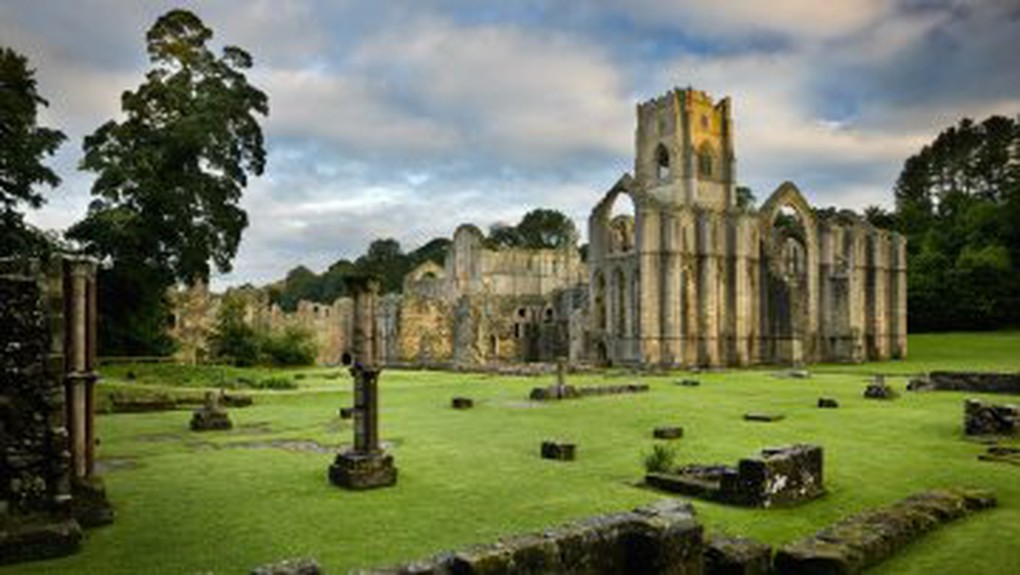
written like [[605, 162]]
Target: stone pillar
[[710, 291], [882, 294], [899, 303], [366, 465], [649, 245], [743, 306], [671, 353], [858, 280]]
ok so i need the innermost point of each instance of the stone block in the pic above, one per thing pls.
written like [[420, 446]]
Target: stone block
[[462, 403], [38, 538], [205, 419], [689, 383], [558, 450], [726, 555], [1001, 454], [361, 471], [827, 403], [346, 413], [981, 418], [880, 390], [976, 382], [668, 432], [763, 416], [303, 566], [779, 477]]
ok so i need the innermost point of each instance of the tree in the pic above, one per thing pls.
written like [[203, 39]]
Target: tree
[[170, 175], [541, 228], [386, 261], [958, 203], [233, 339], [23, 145], [745, 198]]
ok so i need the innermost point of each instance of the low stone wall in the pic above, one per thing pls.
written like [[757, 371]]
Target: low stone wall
[[977, 382], [781, 476], [980, 418], [555, 392], [660, 539], [864, 540]]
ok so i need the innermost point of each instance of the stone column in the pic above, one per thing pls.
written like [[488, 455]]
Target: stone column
[[366, 465], [649, 245], [710, 291], [899, 312], [744, 298], [858, 281], [671, 291], [78, 377], [882, 294]]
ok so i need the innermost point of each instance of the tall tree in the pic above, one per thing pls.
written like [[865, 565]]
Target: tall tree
[[23, 145], [958, 203], [170, 175], [539, 229]]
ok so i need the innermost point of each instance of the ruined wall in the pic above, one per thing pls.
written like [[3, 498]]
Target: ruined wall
[[706, 284]]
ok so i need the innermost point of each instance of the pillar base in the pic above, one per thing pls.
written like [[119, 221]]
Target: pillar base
[[358, 471], [89, 505], [39, 538]]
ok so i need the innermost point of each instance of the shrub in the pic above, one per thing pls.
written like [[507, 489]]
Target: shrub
[[275, 382], [293, 346], [662, 459]]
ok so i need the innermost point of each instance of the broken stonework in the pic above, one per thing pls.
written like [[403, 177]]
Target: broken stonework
[[864, 540], [290, 567], [558, 450], [766, 417], [668, 432], [879, 389], [659, 539], [1002, 454], [462, 403], [211, 416], [782, 476], [980, 418], [827, 403], [726, 555], [346, 412], [976, 382]]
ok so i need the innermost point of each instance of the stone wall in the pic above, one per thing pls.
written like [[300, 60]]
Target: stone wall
[[976, 382], [47, 424], [864, 540], [980, 418], [657, 539], [782, 476]]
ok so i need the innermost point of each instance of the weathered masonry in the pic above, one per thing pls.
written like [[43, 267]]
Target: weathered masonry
[[692, 279]]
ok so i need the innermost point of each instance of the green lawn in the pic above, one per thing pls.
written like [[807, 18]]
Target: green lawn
[[226, 502]]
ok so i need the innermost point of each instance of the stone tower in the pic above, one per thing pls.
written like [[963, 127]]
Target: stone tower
[[684, 150]]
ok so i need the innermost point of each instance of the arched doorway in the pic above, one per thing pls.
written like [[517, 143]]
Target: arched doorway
[[787, 284]]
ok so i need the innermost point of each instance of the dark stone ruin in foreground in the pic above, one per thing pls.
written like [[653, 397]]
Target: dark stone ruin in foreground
[[1001, 454], [668, 432], [47, 408], [664, 538], [726, 555], [212, 416], [366, 465], [827, 403], [782, 476], [764, 417], [864, 540], [980, 418], [975, 382], [462, 403], [879, 389], [558, 450]]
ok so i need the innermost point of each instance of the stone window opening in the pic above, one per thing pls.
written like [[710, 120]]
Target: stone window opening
[[705, 163], [661, 163], [548, 315], [522, 313]]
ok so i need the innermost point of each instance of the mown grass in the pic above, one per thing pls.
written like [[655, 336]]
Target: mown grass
[[191, 502]]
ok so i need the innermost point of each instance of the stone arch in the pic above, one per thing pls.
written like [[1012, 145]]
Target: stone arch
[[791, 316]]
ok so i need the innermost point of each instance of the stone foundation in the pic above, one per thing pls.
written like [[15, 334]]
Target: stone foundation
[[780, 477], [980, 418], [462, 403], [764, 417], [556, 392], [864, 540], [726, 555], [661, 539], [827, 403], [290, 567], [879, 389], [668, 432], [976, 382], [355, 470], [558, 450]]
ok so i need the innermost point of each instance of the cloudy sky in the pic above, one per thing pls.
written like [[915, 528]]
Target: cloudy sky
[[405, 118]]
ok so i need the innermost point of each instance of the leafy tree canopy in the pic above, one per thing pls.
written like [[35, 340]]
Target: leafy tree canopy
[[23, 145], [539, 229], [958, 203], [170, 175]]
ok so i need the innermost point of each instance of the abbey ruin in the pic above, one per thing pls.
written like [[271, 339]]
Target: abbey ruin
[[689, 277]]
